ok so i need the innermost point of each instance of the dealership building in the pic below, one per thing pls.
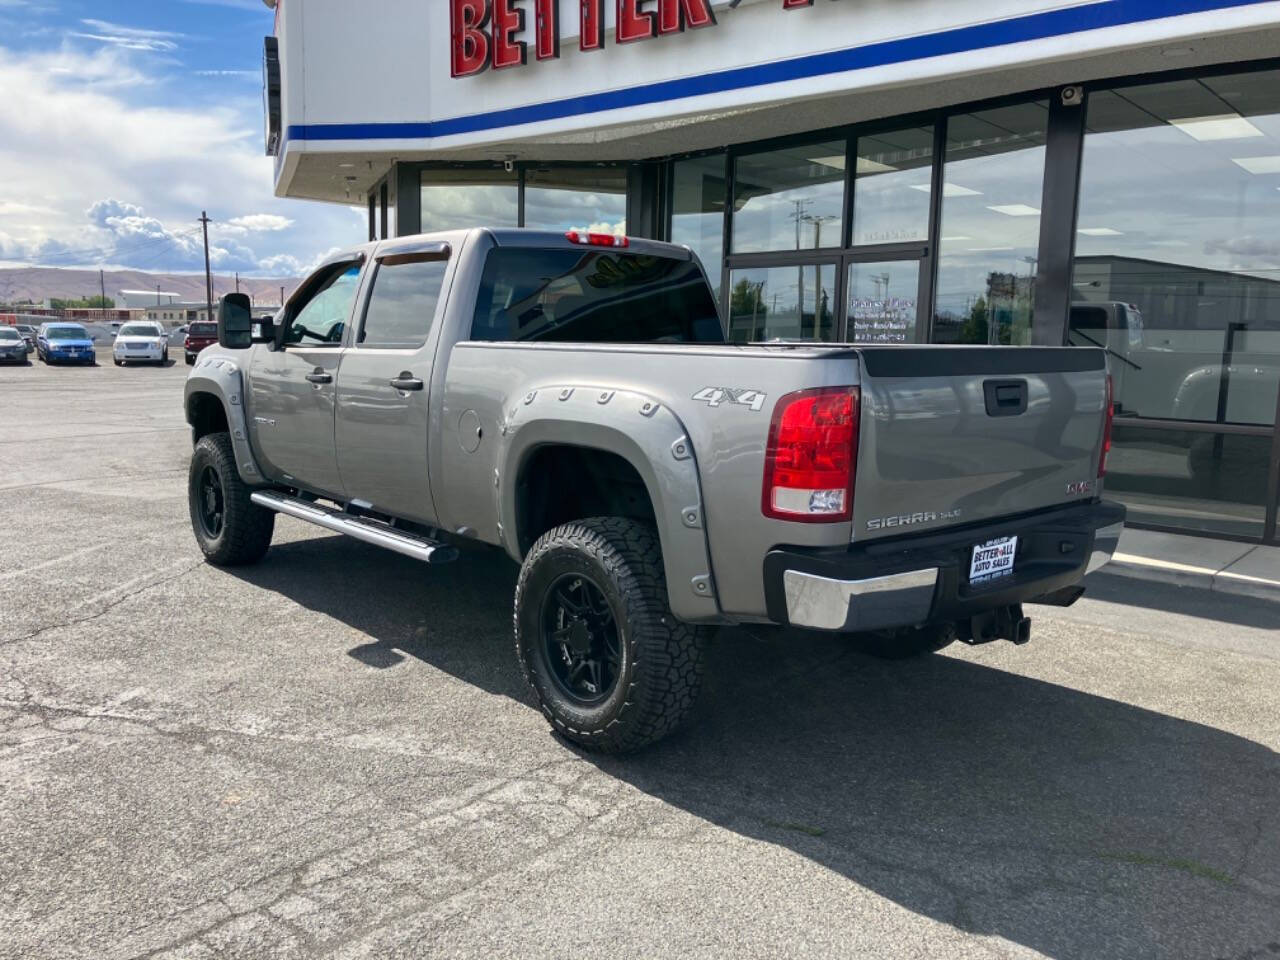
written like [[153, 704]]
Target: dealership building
[[913, 171]]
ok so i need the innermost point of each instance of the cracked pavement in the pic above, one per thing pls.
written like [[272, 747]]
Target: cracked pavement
[[332, 754]]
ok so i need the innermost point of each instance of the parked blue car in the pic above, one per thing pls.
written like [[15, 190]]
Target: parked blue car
[[64, 343]]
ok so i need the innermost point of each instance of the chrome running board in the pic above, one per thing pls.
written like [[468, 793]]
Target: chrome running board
[[361, 528]]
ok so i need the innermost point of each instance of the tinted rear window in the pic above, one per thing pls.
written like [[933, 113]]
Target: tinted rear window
[[203, 330], [593, 296]]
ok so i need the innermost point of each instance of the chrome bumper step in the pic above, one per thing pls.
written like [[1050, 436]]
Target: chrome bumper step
[[361, 528]]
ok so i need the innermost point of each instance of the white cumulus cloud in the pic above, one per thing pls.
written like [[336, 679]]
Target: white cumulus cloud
[[104, 163], [256, 222]]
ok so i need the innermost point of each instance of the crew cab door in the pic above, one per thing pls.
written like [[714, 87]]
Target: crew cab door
[[384, 384], [294, 384]]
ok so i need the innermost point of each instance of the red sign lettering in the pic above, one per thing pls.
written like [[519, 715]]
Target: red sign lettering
[[675, 15], [485, 33], [467, 20], [508, 20], [591, 36], [546, 29], [633, 23]]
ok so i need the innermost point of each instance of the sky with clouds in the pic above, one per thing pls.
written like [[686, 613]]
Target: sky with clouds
[[121, 120]]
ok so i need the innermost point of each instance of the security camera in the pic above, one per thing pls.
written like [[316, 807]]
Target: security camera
[[1072, 96], [509, 164]]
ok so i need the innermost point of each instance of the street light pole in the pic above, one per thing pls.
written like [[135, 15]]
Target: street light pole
[[208, 276]]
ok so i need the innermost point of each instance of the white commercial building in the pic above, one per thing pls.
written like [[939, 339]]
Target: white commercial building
[[946, 171]]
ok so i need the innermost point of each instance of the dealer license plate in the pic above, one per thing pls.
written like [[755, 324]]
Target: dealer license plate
[[992, 559]]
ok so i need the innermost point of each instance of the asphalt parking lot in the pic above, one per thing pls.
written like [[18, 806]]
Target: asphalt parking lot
[[333, 754]]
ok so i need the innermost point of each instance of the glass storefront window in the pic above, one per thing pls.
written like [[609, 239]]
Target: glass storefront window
[[883, 301], [1177, 269], [789, 199], [891, 186], [697, 210], [993, 181], [788, 303], [460, 199], [1212, 482], [582, 198]]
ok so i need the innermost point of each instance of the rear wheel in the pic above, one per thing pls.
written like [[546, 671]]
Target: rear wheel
[[231, 529], [905, 642], [612, 669], [117, 361]]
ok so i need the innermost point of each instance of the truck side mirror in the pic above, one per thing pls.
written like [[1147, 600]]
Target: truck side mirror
[[264, 330], [235, 322]]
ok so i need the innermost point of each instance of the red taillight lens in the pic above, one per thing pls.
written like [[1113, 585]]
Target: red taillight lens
[[810, 458], [1106, 430], [596, 239]]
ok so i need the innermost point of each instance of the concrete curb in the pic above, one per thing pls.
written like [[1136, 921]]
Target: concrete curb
[[1255, 572]]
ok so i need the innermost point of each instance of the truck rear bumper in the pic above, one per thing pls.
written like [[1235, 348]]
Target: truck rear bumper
[[925, 578]]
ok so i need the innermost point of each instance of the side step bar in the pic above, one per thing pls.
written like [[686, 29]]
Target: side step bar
[[370, 531]]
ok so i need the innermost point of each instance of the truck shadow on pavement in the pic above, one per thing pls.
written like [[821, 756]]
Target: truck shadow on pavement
[[1072, 824]]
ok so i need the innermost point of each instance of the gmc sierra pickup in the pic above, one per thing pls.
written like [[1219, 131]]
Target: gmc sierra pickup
[[571, 398]]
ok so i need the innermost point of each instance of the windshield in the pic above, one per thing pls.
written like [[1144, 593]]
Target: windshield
[[203, 330], [139, 330], [594, 297], [66, 333], [8, 333]]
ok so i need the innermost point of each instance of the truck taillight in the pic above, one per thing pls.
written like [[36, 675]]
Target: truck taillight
[[811, 455], [1106, 430], [596, 239]]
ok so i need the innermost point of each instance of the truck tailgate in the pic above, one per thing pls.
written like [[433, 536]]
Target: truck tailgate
[[957, 435]]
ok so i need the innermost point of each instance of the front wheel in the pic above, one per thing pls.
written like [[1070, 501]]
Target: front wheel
[[612, 669], [231, 529]]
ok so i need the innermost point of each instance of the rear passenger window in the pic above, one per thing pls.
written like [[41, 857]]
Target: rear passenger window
[[402, 304], [593, 297]]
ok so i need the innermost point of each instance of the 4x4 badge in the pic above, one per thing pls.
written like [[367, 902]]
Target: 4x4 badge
[[714, 396]]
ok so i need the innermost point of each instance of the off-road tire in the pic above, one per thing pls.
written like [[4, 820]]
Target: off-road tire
[[905, 643], [661, 657], [246, 528]]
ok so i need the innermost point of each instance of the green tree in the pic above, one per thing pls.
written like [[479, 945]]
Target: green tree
[[84, 303], [974, 329], [747, 310]]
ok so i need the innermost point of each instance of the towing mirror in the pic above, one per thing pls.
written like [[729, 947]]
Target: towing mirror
[[235, 322], [264, 330]]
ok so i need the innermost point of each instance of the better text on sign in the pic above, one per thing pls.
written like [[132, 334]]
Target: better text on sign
[[495, 34]]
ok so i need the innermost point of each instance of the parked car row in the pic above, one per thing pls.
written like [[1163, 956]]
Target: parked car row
[[135, 342]]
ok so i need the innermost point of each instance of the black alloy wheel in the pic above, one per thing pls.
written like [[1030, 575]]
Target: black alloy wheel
[[582, 644], [212, 502]]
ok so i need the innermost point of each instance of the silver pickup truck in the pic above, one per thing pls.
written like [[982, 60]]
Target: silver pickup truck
[[571, 399]]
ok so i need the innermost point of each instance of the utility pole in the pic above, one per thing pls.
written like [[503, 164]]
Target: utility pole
[[208, 277], [102, 286], [157, 294], [237, 281], [282, 296]]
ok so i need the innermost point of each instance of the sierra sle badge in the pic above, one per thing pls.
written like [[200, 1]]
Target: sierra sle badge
[[911, 519]]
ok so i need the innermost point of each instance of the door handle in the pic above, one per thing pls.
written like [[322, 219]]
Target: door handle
[[407, 381], [318, 376]]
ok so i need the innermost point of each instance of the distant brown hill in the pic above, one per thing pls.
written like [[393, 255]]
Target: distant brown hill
[[41, 283]]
